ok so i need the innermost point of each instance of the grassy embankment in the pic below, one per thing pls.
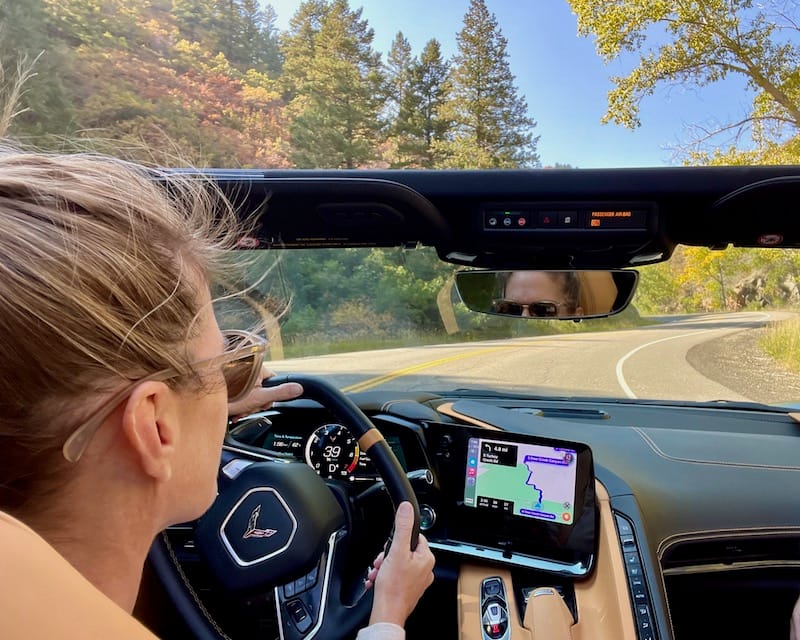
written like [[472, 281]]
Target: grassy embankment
[[781, 341]]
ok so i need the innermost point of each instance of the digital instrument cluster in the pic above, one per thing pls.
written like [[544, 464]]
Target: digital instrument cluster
[[331, 450]]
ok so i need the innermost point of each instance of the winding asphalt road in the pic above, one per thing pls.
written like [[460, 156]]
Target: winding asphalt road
[[648, 362]]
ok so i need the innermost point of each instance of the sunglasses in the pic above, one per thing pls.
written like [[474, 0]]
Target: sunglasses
[[541, 309], [241, 364]]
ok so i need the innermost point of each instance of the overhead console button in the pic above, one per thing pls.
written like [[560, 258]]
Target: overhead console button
[[567, 219], [548, 219], [507, 218]]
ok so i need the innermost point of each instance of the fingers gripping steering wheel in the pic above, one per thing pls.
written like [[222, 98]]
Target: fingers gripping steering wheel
[[277, 524]]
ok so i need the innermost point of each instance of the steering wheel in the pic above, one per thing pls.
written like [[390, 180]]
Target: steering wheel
[[276, 524]]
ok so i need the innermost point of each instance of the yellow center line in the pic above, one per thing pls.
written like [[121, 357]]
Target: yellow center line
[[378, 380]]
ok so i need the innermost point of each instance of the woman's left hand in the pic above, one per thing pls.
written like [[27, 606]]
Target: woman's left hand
[[262, 398]]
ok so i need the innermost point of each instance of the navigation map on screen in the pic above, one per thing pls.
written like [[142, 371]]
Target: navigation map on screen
[[527, 480]]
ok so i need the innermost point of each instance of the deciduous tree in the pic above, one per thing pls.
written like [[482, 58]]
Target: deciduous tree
[[697, 43]]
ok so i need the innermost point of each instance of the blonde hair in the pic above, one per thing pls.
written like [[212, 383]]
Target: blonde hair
[[99, 266]]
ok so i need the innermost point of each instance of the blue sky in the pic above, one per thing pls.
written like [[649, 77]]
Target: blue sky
[[563, 80]]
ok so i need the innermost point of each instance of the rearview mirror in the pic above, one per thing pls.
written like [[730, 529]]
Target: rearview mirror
[[564, 295]]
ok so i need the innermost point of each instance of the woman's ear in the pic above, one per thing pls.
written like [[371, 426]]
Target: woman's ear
[[149, 425]]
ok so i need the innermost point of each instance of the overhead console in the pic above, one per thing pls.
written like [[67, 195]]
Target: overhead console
[[516, 219], [571, 217], [517, 234], [517, 499]]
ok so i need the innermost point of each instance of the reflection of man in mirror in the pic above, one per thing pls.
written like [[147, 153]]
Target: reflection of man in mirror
[[540, 294]]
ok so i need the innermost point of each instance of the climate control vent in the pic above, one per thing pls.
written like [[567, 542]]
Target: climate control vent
[[717, 553]]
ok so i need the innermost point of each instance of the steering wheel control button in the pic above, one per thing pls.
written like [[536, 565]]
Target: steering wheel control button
[[299, 615], [494, 610], [235, 467], [311, 578]]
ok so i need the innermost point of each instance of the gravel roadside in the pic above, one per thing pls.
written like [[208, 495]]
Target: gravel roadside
[[737, 362]]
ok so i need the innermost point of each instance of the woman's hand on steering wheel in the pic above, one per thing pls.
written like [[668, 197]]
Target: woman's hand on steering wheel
[[400, 575], [262, 398]]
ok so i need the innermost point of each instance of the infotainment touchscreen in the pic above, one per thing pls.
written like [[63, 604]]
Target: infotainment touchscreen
[[528, 480], [516, 498]]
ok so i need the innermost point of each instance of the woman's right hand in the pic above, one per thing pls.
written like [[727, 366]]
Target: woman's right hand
[[794, 632], [401, 575]]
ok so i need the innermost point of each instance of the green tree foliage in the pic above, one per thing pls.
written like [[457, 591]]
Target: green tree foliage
[[357, 292], [140, 87], [409, 282], [101, 22], [335, 86], [699, 42], [241, 30], [398, 71], [268, 53], [491, 125], [246, 34], [194, 19], [699, 279], [419, 124], [696, 43]]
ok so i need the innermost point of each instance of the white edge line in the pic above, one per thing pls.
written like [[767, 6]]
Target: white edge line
[[621, 378]]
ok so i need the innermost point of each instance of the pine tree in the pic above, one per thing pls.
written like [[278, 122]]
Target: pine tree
[[419, 122], [398, 64], [194, 19], [335, 86], [491, 125], [255, 42], [269, 54]]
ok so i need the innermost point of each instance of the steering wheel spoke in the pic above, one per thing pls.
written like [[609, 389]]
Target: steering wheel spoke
[[320, 604]]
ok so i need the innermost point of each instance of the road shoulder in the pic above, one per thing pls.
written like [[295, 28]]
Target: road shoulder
[[738, 362]]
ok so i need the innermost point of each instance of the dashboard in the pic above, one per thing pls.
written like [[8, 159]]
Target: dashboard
[[652, 501], [525, 500]]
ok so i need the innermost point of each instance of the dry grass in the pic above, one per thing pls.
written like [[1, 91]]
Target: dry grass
[[11, 91], [782, 341]]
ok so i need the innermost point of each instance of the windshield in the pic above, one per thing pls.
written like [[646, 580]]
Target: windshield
[[474, 84], [392, 319]]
